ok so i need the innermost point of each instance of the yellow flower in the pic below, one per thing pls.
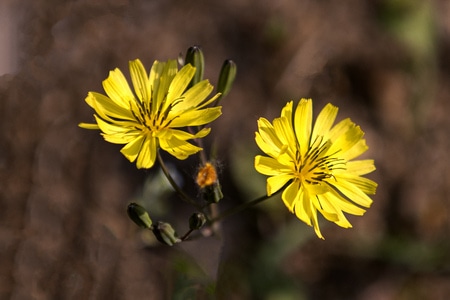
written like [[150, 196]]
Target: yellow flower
[[317, 163], [146, 120]]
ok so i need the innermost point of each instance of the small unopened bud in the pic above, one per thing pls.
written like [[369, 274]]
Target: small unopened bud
[[194, 56], [212, 193], [165, 233], [139, 215], [196, 221], [226, 77]]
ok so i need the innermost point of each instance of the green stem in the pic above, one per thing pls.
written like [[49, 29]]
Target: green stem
[[186, 235], [182, 194], [240, 208], [199, 143]]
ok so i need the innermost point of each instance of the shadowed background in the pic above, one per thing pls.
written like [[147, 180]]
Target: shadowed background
[[64, 232]]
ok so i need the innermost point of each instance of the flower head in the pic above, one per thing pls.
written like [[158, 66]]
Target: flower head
[[149, 118], [206, 175], [208, 183], [317, 162]]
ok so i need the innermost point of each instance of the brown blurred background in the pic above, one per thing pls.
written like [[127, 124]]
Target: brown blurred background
[[64, 232]]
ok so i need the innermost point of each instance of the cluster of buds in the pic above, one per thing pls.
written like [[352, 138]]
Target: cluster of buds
[[194, 56], [163, 231]]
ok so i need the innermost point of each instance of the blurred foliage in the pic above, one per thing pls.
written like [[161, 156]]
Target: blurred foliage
[[413, 23], [190, 281]]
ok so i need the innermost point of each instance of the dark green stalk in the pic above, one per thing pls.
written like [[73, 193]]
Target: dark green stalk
[[182, 194], [239, 208]]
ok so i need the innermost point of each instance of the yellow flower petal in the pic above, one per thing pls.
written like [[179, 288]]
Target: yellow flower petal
[[317, 189], [324, 121], [358, 167], [179, 83], [291, 195], [178, 148], [267, 139], [315, 223], [267, 149], [332, 212], [366, 185], [164, 80], [302, 124], [117, 89], [276, 182], [195, 97], [269, 166], [339, 129], [303, 207], [285, 134], [108, 109], [121, 138], [147, 154], [352, 192], [344, 204], [109, 128], [202, 133], [155, 78], [132, 149], [332, 217], [359, 148], [197, 117], [286, 112], [88, 126], [182, 135], [347, 140], [140, 80]]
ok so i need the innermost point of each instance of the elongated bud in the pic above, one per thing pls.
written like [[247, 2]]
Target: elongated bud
[[139, 215], [212, 193], [165, 233], [194, 56], [226, 77], [196, 221]]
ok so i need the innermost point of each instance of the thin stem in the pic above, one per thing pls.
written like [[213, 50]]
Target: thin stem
[[199, 142], [182, 194], [186, 235], [240, 208]]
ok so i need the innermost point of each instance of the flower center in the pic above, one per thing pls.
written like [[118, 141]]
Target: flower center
[[316, 166], [153, 124], [153, 120]]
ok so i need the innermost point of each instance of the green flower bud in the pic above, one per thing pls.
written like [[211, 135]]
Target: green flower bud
[[194, 56], [165, 233], [226, 77], [196, 221], [212, 193], [139, 215]]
